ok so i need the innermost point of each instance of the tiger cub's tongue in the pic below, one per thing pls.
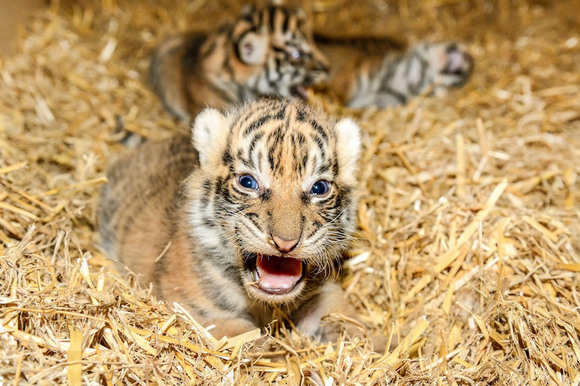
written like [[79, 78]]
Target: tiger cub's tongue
[[278, 274]]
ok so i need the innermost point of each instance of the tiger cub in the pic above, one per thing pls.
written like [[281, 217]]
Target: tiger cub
[[251, 220], [271, 51], [266, 52]]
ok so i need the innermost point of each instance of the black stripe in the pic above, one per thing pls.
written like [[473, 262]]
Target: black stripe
[[259, 18], [401, 98], [257, 124], [237, 45], [272, 12], [317, 225], [323, 169], [421, 83], [271, 161], [335, 167], [247, 161], [252, 217], [223, 94], [320, 143], [300, 115], [279, 134], [369, 45], [286, 20], [319, 129], [251, 230], [227, 156]]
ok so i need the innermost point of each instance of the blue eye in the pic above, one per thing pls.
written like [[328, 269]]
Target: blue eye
[[320, 188], [296, 54], [248, 182]]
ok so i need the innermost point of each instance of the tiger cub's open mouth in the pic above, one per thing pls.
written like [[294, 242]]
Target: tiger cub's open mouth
[[276, 275]]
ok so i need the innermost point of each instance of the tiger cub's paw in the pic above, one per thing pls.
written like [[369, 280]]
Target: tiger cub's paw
[[450, 63]]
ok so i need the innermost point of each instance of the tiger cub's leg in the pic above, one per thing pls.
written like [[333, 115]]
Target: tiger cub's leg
[[332, 300], [448, 64], [403, 77]]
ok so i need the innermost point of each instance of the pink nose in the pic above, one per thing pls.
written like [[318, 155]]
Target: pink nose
[[284, 245]]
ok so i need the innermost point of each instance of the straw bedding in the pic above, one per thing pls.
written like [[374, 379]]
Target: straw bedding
[[468, 246]]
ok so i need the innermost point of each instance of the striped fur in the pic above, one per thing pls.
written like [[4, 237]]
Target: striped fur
[[266, 51], [183, 220], [378, 72], [271, 51]]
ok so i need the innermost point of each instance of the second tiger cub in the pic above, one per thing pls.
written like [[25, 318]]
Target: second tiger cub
[[271, 51]]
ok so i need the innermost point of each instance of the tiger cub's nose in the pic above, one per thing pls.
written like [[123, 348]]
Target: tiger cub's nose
[[284, 245]]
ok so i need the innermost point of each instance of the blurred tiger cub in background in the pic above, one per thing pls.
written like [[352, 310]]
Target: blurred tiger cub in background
[[270, 50], [249, 220], [266, 51]]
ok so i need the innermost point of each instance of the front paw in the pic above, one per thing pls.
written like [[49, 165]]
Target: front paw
[[458, 66], [449, 63]]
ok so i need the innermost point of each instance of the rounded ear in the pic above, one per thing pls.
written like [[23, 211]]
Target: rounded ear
[[209, 134], [348, 145], [252, 48]]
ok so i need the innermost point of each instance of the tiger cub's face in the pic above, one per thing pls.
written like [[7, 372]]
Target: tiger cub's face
[[276, 42], [274, 199]]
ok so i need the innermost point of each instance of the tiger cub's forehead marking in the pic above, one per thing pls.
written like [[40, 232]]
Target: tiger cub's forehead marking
[[280, 18], [277, 20], [291, 138]]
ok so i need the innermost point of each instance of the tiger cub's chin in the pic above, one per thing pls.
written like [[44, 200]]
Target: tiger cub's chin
[[252, 219]]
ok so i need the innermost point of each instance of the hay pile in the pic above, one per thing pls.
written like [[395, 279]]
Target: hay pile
[[469, 238]]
